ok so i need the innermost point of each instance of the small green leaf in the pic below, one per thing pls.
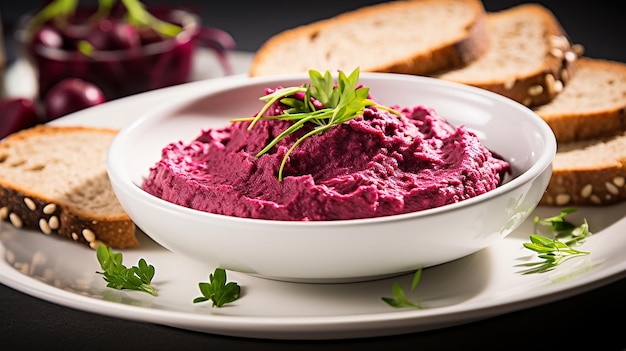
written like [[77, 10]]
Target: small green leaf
[[400, 299], [119, 276], [218, 290], [556, 249]]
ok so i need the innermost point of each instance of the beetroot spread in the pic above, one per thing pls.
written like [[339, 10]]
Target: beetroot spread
[[377, 164]]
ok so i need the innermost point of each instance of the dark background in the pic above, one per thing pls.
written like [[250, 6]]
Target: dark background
[[590, 318], [599, 25]]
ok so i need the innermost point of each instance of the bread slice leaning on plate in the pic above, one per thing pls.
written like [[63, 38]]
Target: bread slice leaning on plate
[[592, 105], [589, 121], [411, 36], [53, 179], [530, 59]]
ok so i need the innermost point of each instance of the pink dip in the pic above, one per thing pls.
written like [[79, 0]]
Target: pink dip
[[377, 164]]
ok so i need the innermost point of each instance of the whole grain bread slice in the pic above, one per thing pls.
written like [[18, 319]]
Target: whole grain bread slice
[[588, 173], [53, 179], [410, 36], [530, 58], [592, 105]]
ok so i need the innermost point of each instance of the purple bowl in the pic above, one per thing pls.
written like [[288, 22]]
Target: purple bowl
[[120, 73]]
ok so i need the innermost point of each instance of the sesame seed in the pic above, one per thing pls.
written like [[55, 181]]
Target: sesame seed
[[53, 222], [586, 191], [570, 56], [611, 188], [49, 209], [556, 52], [535, 90], [564, 75], [595, 199], [578, 49], [88, 235], [562, 199], [619, 181], [4, 212], [43, 225], [551, 84], [15, 220], [74, 236], [30, 203]]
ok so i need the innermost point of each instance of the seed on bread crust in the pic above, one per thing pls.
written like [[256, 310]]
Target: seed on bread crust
[[4, 212], [30, 204], [535, 90], [53, 222], [44, 226], [94, 244], [586, 191], [89, 235], [562, 199], [15, 220], [49, 209], [611, 188]]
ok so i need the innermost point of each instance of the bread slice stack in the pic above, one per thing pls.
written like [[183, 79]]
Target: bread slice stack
[[530, 58], [521, 52], [589, 121], [53, 180], [412, 37]]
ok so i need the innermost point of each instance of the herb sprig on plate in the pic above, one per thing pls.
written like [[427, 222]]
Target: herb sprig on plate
[[557, 243], [322, 102], [118, 276], [399, 298], [218, 290]]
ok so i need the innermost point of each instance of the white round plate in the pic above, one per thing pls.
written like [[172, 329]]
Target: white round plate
[[483, 285]]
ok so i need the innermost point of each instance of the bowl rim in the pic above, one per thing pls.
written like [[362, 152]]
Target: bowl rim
[[543, 162]]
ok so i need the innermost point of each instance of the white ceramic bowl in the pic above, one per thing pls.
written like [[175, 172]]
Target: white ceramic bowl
[[345, 250]]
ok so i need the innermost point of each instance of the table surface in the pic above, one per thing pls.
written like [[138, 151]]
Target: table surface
[[27, 322]]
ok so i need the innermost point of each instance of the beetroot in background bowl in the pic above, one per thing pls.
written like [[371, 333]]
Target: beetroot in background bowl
[[120, 58]]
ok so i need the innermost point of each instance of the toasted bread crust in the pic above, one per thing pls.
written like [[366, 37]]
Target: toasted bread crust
[[24, 206], [467, 42], [521, 34], [592, 106], [588, 173]]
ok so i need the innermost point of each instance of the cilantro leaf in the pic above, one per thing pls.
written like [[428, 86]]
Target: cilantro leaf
[[218, 290], [118, 276]]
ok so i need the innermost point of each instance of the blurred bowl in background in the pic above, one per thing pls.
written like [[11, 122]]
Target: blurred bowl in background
[[151, 64]]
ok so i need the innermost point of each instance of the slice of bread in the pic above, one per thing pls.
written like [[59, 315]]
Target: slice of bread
[[410, 36], [54, 180], [530, 58], [592, 105], [588, 173]]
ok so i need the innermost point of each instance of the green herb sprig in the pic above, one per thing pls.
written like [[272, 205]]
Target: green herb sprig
[[218, 290], [119, 276], [399, 298], [558, 245], [339, 102]]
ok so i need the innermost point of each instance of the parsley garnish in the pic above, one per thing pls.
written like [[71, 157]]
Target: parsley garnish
[[322, 102], [558, 245], [399, 298], [217, 290], [119, 276]]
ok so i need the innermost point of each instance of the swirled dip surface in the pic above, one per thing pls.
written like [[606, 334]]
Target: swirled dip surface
[[377, 164]]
